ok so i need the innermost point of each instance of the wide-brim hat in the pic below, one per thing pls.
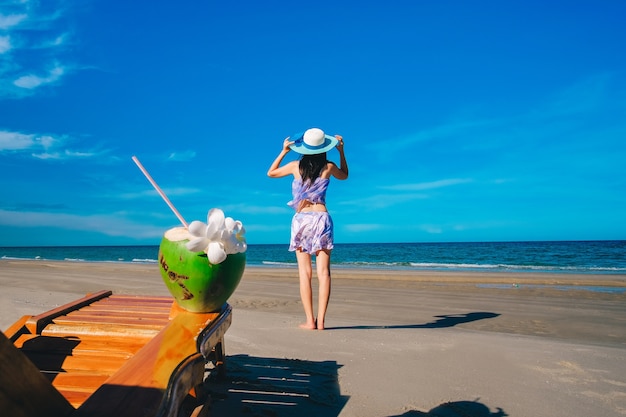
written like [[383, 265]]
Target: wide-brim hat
[[312, 142]]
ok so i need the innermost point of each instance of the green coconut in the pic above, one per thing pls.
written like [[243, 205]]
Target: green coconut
[[196, 284]]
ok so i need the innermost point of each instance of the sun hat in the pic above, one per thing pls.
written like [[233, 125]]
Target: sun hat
[[312, 142]]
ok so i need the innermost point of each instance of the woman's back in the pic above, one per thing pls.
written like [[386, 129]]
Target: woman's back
[[313, 192]]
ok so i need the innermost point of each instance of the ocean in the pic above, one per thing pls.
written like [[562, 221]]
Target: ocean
[[576, 257]]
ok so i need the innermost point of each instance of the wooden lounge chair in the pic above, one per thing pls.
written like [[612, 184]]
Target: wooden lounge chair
[[110, 355]]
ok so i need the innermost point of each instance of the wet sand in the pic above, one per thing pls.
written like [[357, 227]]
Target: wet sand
[[397, 343]]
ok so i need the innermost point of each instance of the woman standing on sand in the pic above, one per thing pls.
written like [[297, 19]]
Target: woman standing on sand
[[311, 226]]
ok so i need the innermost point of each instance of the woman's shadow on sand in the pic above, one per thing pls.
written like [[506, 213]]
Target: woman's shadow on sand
[[457, 409], [445, 320]]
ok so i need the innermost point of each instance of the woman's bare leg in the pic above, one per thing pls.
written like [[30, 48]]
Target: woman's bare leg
[[306, 293], [322, 263]]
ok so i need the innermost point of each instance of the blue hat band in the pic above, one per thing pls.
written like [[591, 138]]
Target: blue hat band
[[302, 147], [302, 143]]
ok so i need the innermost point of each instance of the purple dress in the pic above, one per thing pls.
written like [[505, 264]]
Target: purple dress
[[311, 231]]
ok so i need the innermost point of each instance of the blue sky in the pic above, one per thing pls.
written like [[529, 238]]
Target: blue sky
[[463, 121]]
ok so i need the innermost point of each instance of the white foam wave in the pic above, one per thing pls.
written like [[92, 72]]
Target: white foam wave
[[276, 263]]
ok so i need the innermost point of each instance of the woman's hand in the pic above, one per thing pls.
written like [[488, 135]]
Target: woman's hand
[[339, 145], [286, 144], [277, 171]]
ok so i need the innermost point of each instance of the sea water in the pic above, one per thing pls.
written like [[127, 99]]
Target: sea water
[[579, 257]]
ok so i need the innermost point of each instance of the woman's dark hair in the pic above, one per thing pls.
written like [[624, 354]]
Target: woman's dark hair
[[311, 166]]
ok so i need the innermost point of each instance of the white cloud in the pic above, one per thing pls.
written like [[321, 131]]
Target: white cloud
[[436, 229], [431, 229], [110, 225], [182, 156], [57, 41], [182, 191], [151, 192], [9, 21], [257, 209], [502, 180], [5, 44], [428, 185], [33, 47], [67, 154], [42, 146], [380, 201], [256, 228], [14, 141], [17, 141], [363, 227], [47, 141], [33, 81]]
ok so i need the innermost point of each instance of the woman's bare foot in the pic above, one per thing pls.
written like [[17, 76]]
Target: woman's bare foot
[[320, 325], [309, 326]]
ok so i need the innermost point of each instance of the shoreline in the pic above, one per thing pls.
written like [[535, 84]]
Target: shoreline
[[347, 272], [349, 267]]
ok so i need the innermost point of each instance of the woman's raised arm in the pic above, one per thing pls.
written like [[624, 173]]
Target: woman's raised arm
[[340, 173], [277, 171]]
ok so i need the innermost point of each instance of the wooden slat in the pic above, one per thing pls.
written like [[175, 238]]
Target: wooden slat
[[115, 317], [80, 381], [130, 305], [146, 301], [38, 322], [149, 298], [77, 385], [37, 343], [136, 321], [123, 309], [52, 362], [111, 330], [85, 344], [75, 397]]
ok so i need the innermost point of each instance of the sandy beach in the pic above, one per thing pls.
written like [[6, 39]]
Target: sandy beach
[[397, 343]]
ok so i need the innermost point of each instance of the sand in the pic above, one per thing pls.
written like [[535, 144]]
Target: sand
[[396, 344]]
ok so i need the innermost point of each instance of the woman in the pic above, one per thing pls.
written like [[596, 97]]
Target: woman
[[311, 226]]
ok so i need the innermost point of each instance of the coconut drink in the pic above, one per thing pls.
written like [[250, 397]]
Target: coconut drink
[[202, 265]]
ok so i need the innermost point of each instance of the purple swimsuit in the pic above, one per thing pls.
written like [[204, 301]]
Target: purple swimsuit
[[315, 193], [311, 231]]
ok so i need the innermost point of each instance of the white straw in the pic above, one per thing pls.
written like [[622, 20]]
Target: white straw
[[161, 193]]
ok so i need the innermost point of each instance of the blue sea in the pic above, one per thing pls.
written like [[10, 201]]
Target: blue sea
[[577, 257]]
